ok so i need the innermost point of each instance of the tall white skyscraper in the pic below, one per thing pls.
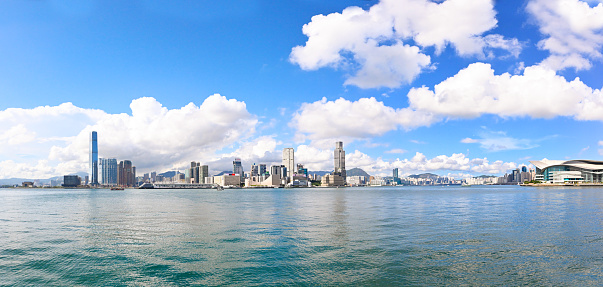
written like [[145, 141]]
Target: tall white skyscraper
[[289, 161], [339, 159]]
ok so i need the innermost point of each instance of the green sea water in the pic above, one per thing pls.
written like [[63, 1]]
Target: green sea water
[[387, 236]]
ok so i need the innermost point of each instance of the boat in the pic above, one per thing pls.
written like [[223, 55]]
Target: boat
[[117, 188]]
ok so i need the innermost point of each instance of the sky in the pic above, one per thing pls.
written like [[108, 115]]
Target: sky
[[455, 87]]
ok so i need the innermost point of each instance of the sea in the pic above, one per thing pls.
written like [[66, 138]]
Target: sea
[[378, 236]]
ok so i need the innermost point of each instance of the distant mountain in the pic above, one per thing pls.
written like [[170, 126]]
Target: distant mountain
[[357, 172], [486, 176], [424, 175], [224, 172], [168, 174]]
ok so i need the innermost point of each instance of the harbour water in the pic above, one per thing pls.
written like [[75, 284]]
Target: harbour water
[[386, 236]]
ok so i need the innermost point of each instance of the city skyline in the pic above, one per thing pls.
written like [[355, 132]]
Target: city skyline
[[447, 87]]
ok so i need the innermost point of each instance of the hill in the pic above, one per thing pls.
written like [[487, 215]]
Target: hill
[[424, 175], [357, 172]]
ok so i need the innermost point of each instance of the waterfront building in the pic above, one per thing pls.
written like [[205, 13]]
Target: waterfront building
[[262, 169], [108, 171], [339, 160], [126, 173], [570, 171], [356, 180], [255, 170], [71, 181], [228, 180], [153, 176], [332, 180], [93, 159], [203, 173], [288, 161]]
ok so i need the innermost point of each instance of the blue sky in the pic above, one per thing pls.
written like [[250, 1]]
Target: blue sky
[[452, 87]]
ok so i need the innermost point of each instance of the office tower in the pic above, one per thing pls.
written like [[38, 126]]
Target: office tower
[[237, 168], [339, 159], [255, 170], [108, 171], [395, 173], [93, 159], [153, 176], [289, 161], [203, 173], [126, 173], [262, 169]]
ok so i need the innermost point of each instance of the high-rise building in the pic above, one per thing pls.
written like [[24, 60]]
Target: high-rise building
[[289, 161], [108, 171], [126, 173], [237, 168], [339, 159], [255, 170], [203, 173], [395, 173], [93, 159], [262, 169]]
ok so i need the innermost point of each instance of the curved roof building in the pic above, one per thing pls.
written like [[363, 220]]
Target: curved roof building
[[569, 171]]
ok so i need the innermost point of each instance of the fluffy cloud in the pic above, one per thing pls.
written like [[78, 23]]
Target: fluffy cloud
[[373, 40], [364, 118], [419, 163], [153, 137], [538, 93], [471, 93], [574, 32]]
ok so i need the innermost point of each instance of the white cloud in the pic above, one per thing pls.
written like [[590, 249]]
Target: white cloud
[[153, 137], [471, 93], [397, 151], [419, 163], [373, 40], [364, 118], [469, 140], [574, 32], [538, 93]]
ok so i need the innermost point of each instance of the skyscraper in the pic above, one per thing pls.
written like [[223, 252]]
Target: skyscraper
[[126, 173], [237, 167], [108, 171], [93, 159], [339, 160], [289, 161], [395, 172]]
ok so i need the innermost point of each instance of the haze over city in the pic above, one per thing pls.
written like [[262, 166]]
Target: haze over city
[[451, 87]]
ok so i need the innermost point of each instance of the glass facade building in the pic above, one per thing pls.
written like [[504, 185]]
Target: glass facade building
[[93, 159], [569, 172]]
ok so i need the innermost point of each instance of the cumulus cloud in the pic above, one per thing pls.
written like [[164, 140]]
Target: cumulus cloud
[[538, 93], [364, 118], [474, 91], [153, 137], [396, 151], [457, 162], [373, 41], [573, 30]]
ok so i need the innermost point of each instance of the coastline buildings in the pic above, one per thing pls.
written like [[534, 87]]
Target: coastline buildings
[[126, 173], [338, 177], [93, 159], [339, 160], [108, 171], [569, 171], [288, 162]]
